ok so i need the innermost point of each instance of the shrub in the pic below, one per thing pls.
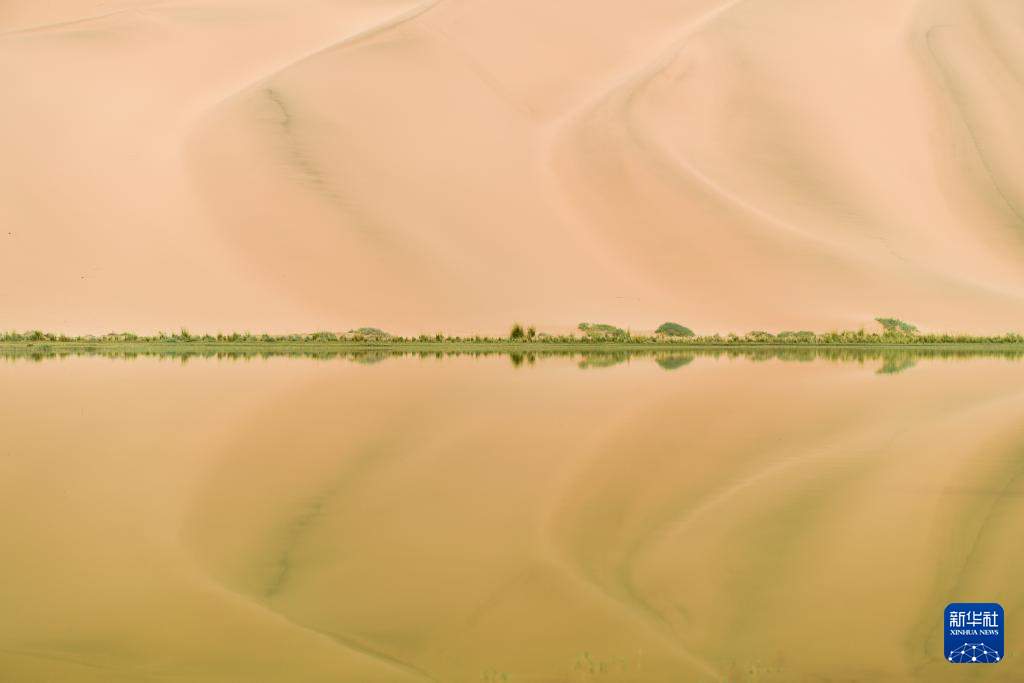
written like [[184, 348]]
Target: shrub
[[801, 336], [517, 333], [602, 331], [759, 337], [371, 333], [896, 326], [674, 330]]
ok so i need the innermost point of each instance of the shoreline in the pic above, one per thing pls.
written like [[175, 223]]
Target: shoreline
[[490, 346]]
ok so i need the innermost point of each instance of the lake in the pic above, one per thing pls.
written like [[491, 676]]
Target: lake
[[764, 516]]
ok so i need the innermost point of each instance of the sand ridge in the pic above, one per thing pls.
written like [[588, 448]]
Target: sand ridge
[[456, 165]]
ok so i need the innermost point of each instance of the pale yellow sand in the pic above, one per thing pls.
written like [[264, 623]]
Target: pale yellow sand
[[459, 164]]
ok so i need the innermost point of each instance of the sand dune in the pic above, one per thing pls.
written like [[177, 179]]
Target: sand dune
[[423, 164]]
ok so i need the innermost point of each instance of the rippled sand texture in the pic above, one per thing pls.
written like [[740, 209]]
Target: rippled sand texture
[[464, 520], [458, 164]]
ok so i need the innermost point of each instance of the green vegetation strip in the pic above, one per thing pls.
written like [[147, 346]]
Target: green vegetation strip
[[894, 333]]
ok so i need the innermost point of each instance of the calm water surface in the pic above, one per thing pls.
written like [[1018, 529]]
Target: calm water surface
[[496, 518]]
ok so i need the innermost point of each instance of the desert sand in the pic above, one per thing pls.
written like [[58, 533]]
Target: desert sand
[[458, 164]]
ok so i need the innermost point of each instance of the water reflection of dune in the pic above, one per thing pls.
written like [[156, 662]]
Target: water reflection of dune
[[704, 529], [462, 519], [424, 520], [721, 533]]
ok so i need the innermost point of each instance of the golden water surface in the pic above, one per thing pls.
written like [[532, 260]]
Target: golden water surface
[[601, 518]]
